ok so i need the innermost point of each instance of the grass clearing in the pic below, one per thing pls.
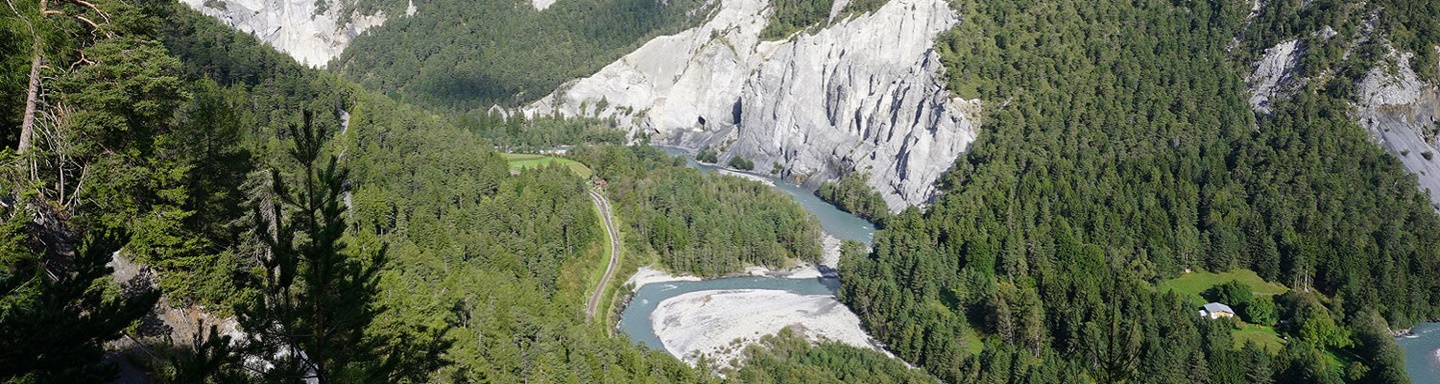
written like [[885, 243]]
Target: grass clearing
[[1263, 336], [973, 343], [1194, 283], [520, 161]]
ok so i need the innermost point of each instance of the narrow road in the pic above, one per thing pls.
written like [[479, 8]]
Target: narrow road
[[604, 207]]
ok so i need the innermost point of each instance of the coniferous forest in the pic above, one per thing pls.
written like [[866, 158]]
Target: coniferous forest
[[1126, 156], [466, 55], [357, 238], [707, 225]]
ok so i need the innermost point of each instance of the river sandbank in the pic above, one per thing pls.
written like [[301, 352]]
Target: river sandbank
[[720, 323]]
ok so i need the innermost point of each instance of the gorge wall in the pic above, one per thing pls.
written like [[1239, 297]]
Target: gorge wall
[[313, 32], [1403, 114], [862, 93]]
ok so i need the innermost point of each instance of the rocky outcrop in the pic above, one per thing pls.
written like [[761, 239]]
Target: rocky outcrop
[[167, 321], [1403, 114], [1273, 74], [296, 27], [862, 93]]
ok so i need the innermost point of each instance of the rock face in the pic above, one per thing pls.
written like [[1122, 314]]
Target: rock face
[[180, 323], [1403, 114], [1273, 74], [862, 93], [293, 26]]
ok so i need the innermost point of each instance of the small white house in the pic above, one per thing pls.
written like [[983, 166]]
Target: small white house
[[1217, 310]]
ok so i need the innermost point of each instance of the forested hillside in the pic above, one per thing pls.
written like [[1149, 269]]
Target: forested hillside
[[177, 152], [1119, 163], [1119, 152], [383, 242], [467, 55], [517, 133]]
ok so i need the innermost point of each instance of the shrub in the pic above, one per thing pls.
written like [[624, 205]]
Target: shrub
[[738, 162], [708, 155]]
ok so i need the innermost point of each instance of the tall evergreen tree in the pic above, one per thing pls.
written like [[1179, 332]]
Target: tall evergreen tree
[[317, 298], [55, 312]]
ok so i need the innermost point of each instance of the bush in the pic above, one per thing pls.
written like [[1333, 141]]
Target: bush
[[738, 162], [708, 155], [1261, 310], [1233, 293]]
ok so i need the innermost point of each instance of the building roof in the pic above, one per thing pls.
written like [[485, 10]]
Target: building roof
[[1217, 307]]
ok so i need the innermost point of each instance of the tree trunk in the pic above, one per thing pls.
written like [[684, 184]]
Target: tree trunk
[[27, 125]]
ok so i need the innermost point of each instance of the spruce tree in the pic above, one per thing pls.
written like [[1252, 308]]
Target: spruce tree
[[317, 297], [55, 313]]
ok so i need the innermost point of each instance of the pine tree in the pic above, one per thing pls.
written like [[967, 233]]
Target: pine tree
[[311, 320], [208, 359], [54, 311]]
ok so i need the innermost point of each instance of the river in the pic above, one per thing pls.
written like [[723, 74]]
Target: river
[[1422, 353], [840, 224], [635, 320]]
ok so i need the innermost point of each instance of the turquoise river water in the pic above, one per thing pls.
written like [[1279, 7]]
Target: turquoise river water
[[635, 319], [1422, 353]]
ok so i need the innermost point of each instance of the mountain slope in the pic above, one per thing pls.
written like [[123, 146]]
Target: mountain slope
[[1124, 152], [856, 89], [313, 32], [469, 55]]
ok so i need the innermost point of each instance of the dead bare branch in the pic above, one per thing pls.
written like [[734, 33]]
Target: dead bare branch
[[95, 27], [81, 60]]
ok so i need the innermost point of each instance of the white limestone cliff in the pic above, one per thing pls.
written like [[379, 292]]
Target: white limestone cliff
[[293, 26], [1273, 73], [863, 93], [1403, 114]]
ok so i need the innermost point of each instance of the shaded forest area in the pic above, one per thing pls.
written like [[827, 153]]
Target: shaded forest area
[[467, 55]]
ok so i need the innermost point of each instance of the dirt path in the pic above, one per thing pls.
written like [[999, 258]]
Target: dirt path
[[604, 207]]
